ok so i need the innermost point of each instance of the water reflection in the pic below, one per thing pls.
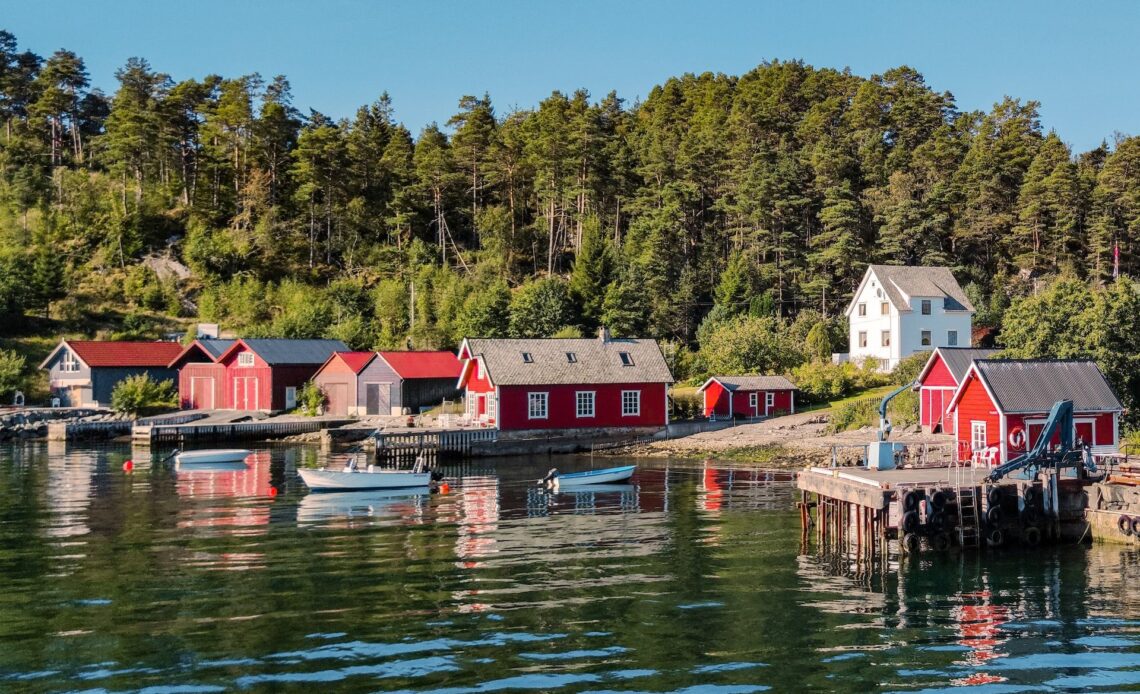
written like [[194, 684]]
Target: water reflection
[[689, 579]]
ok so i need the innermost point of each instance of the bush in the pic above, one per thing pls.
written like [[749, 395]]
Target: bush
[[824, 381], [310, 399], [139, 396], [864, 412], [687, 406], [11, 373], [909, 368]]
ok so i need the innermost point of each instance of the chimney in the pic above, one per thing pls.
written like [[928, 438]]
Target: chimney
[[604, 334]]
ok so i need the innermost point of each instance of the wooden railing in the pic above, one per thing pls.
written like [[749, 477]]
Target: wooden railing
[[234, 431]]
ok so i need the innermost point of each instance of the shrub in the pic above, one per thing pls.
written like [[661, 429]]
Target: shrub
[[687, 406], [11, 373], [864, 412], [824, 381], [909, 368], [140, 395], [310, 399]]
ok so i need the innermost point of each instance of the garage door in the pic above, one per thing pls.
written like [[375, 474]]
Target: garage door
[[338, 398], [377, 398], [201, 393]]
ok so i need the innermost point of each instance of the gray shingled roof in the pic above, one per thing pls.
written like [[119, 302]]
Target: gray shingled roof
[[1033, 385], [901, 281], [595, 361], [958, 359], [735, 383], [281, 351], [215, 347]]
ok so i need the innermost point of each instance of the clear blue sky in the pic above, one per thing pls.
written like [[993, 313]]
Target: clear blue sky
[[1079, 59]]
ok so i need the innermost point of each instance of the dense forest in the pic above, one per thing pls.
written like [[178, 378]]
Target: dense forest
[[764, 195]]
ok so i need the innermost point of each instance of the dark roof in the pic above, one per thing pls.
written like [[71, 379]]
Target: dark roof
[[1034, 385], [735, 383], [284, 351], [423, 364], [958, 359], [97, 353], [903, 281], [215, 347], [595, 361]]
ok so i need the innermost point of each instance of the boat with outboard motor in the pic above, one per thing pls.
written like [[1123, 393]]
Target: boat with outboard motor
[[610, 475], [354, 478]]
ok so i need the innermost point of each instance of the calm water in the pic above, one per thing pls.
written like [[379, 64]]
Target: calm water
[[692, 580]]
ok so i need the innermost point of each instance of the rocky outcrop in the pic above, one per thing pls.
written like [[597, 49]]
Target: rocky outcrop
[[33, 423]]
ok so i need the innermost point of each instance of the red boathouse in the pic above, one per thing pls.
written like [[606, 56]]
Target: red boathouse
[[1002, 404], [748, 396], [201, 379], [938, 380], [560, 384], [265, 374]]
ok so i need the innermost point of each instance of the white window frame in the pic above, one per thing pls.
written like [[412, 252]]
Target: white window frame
[[581, 397], [951, 338], [885, 338], [753, 400], [69, 363], [978, 435], [532, 399], [246, 359], [926, 338], [626, 358], [635, 411], [769, 400]]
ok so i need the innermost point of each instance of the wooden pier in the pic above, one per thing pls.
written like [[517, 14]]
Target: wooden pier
[[856, 513], [399, 447], [177, 434]]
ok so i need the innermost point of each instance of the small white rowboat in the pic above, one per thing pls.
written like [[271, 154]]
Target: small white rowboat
[[221, 455], [344, 480], [591, 477]]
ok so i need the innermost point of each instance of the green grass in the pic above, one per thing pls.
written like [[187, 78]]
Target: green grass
[[827, 407]]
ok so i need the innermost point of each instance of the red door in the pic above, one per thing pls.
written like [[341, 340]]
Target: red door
[[245, 393], [201, 392]]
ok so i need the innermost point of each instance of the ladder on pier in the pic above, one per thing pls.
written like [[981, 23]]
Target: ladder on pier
[[969, 511]]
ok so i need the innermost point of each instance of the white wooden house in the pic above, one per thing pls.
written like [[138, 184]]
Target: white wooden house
[[901, 309]]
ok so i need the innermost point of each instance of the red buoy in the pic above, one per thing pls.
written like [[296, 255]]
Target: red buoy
[[272, 491], [444, 488], [128, 466]]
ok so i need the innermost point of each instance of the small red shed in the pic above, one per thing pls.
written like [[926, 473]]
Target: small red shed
[[748, 396], [201, 379], [1002, 404], [938, 380], [265, 374], [565, 384]]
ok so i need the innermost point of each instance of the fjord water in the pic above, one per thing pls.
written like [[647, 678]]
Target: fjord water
[[691, 580]]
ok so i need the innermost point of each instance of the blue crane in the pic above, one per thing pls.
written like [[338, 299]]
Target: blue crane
[[1043, 454]]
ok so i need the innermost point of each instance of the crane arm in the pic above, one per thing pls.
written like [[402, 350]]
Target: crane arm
[[884, 421]]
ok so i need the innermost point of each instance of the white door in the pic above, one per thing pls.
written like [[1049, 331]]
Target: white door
[[290, 397]]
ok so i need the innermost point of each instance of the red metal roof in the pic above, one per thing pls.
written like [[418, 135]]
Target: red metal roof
[[356, 360], [97, 353], [423, 364]]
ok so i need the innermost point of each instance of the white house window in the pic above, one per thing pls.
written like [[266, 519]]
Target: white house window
[[753, 400], [527, 358], [885, 308], [536, 405], [862, 309], [769, 400], [626, 358], [245, 359], [862, 338], [584, 403], [952, 338], [926, 307], [571, 358], [630, 403], [886, 338], [69, 364], [925, 338], [977, 436]]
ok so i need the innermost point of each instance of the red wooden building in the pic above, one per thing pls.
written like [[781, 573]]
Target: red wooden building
[[201, 379], [1002, 404], [938, 381], [748, 396], [559, 384], [263, 374]]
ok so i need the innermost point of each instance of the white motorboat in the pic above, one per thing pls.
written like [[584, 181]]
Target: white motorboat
[[349, 479], [610, 475], [214, 455]]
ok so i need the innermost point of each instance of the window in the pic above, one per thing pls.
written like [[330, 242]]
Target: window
[[753, 400], [536, 405], [885, 308], [626, 358], [862, 338], [69, 364], [925, 338], [952, 338], [527, 358], [977, 436], [630, 403], [769, 400], [245, 359], [584, 403], [926, 307], [571, 358], [886, 338], [862, 309]]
